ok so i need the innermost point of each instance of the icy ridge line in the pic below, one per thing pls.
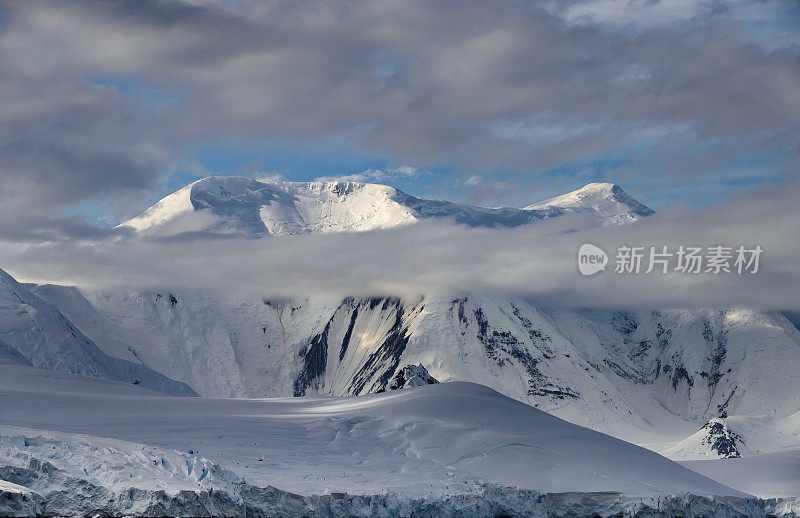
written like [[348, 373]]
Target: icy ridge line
[[62, 495]]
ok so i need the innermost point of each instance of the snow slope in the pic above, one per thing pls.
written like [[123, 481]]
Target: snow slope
[[168, 208], [767, 475], [10, 487], [35, 330], [430, 440], [240, 204]]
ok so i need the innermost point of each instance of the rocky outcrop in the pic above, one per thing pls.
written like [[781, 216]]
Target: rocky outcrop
[[412, 376]]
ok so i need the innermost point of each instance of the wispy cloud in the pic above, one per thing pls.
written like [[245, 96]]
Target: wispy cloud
[[269, 176], [374, 175]]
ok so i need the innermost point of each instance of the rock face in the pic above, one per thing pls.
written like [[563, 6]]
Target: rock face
[[721, 440], [412, 376]]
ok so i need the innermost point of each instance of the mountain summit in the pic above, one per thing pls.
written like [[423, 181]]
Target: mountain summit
[[243, 205], [611, 203]]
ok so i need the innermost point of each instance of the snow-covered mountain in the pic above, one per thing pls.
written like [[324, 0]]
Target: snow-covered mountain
[[35, 332], [649, 377], [611, 204], [652, 377], [244, 205], [672, 380]]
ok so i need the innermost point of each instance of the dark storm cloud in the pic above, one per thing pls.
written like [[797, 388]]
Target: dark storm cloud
[[516, 85]]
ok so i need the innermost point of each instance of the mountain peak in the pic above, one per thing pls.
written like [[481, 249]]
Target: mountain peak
[[611, 203], [236, 204]]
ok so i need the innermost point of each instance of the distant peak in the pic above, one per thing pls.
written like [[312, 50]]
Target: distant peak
[[241, 204], [606, 199]]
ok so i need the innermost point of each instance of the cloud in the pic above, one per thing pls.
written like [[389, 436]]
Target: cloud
[[104, 99], [269, 177], [374, 175], [646, 14], [536, 261]]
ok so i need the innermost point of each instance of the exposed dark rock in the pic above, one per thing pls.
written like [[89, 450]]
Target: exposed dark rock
[[315, 362], [348, 335], [384, 359], [502, 346], [722, 440], [624, 322], [679, 374], [722, 408], [387, 356], [411, 376]]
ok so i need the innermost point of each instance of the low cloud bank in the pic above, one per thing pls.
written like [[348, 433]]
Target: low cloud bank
[[537, 260]]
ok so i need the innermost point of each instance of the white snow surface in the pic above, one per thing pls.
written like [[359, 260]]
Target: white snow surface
[[112, 463], [238, 204], [768, 475], [653, 378], [168, 208], [437, 439]]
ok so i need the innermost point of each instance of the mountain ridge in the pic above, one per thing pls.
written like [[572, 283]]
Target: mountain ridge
[[257, 208]]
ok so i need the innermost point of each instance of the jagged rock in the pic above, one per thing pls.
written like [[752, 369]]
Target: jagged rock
[[721, 439], [412, 376]]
